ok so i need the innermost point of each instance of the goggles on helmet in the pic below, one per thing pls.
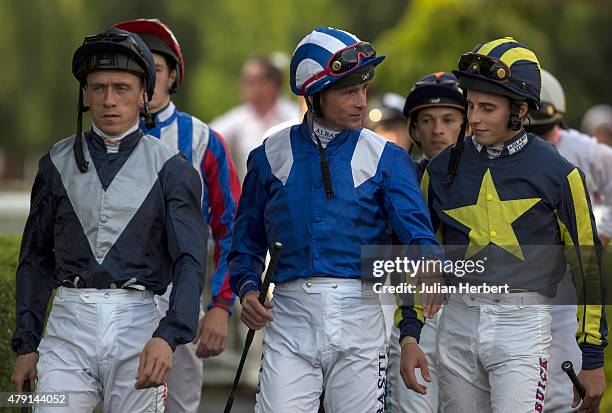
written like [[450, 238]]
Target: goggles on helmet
[[344, 60], [487, 66], [347, 58], [122, 39], [438, 82]]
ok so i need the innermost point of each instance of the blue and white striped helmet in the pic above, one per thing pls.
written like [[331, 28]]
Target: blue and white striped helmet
[[311, 70]]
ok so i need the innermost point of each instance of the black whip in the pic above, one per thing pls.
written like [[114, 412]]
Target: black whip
[[568, 368], [263, 292], [25, 389]]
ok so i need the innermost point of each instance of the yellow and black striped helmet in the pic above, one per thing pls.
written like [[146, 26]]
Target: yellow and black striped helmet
[[504, 67]]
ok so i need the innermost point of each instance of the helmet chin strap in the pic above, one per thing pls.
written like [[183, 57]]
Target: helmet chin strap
[[313, 103], [515, 123], [457, 149], [314, 107], [148, 116], [79, 155]]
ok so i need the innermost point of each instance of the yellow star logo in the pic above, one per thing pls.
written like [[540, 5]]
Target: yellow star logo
[[490, 219]]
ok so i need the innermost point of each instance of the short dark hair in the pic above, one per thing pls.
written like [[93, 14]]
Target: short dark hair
[[172, 65]]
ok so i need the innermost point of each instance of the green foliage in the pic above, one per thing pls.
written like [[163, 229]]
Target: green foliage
[[432, 35], [571, 39], [37, 39], [39, 95], [9, 251], [240, 30]]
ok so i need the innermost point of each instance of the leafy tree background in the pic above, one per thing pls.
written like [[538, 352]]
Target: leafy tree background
[[572, 40], [37, 38]]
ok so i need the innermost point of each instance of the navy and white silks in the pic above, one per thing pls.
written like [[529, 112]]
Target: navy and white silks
[[133, 214]]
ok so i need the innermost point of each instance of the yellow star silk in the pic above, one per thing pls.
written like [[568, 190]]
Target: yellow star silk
[[490, 219]]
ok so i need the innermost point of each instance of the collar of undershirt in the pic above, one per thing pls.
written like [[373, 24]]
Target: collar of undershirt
[[507, 148], [112, 142], [326, 135], [166, 113]]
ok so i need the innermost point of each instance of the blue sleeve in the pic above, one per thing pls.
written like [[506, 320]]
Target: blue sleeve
[[404, 202], [410, 220], [249, 241]]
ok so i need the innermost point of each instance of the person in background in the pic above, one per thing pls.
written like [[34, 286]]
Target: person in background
[[263, 107], [386, 118], [597, 122], [434, 108]]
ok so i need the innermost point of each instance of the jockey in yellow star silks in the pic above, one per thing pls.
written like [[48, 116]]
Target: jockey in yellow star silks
[[507, 196]]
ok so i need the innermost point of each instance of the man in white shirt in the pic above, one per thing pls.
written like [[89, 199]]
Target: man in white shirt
[[244, 126]]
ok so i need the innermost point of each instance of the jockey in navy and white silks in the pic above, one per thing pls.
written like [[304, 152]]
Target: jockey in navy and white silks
[[107, 233]]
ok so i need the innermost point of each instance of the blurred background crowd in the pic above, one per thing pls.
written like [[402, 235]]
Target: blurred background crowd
[[236, 72]]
